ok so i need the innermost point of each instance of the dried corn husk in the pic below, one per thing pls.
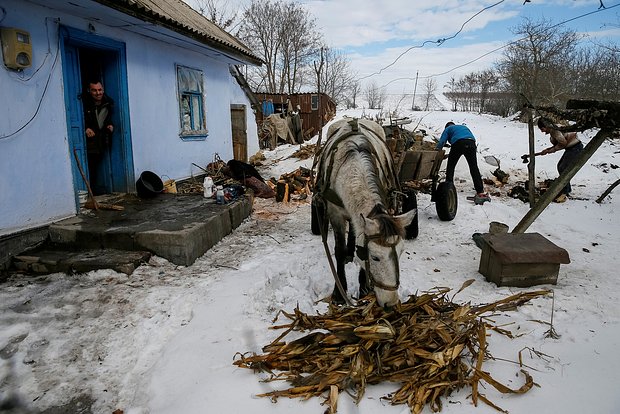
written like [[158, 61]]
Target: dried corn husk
[[428, 345]]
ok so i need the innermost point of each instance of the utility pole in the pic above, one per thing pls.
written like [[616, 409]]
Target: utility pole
[[415, 86]]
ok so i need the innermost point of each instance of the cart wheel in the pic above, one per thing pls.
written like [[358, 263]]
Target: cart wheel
[[317, 215], [411, 203], [446, 202]]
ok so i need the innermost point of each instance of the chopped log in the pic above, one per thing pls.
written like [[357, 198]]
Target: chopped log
[[282, 191]]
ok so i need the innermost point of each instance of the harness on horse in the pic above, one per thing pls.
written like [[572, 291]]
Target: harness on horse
[[323, 193], [322, 187]]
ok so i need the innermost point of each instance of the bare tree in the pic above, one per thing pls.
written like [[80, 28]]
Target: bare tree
[[336, 78], [219, 12], [355, 88], [430, 87], [375, 96], [285, 37], [481, 91], [538, 66], [452, 94], [596, 72]]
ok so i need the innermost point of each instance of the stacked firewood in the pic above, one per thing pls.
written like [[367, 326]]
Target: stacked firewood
[[304, 152], [428, 345], [296, 185]]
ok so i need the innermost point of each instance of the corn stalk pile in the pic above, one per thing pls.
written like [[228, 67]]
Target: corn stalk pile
[[427, 345]]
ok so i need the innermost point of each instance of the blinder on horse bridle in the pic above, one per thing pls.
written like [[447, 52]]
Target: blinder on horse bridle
[[362, 254]]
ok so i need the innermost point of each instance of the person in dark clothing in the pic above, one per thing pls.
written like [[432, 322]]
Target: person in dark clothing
[[462, 142], [566, 141], [98, 108]]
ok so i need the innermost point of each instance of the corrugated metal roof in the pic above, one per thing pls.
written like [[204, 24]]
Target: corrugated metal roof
[[176, 15]]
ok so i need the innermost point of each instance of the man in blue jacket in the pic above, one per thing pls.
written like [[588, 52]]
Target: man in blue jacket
[[463, 142]]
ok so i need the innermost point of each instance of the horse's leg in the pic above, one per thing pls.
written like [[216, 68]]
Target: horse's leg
[[340, 251], [364, 287], [350, 243]]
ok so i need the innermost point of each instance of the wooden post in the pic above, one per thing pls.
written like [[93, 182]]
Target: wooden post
[[318, 69], [562, 180], [531, 170]]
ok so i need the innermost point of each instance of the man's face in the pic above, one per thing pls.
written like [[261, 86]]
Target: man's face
[[96, 91]]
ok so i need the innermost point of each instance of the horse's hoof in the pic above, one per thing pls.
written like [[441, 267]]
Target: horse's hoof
[[338, 301], [337, 298], [364, 291]]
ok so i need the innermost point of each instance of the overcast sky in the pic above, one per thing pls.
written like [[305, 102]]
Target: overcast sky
[[374, 33]]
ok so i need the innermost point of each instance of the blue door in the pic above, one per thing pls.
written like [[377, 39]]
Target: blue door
[[75, 117], [85, 56]]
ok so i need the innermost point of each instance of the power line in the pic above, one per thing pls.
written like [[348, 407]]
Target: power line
[[439, 42], [503, 46]]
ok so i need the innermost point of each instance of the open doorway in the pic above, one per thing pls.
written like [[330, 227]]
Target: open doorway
[[88, 57], [99, 118]]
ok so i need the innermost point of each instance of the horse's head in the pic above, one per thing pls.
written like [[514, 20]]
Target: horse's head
[[383, 236]]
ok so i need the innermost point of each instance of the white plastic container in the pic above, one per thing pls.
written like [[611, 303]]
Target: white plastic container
[[219, 195], [208, 187]]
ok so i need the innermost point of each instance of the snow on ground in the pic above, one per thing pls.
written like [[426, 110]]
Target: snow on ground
[[163, 339]]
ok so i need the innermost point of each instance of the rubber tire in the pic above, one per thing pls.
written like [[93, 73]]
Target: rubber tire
[[446, 201], [316, 210], [411, 203]]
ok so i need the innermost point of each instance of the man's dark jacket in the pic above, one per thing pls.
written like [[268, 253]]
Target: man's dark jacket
[[101, 140]]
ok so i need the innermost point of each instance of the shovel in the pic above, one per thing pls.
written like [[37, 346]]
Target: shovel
[[526, 157]]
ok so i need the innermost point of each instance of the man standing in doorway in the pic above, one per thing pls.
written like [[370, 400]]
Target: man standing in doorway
[[98, 109]]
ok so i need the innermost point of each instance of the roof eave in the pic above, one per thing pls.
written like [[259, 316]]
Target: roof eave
[[151, 17]]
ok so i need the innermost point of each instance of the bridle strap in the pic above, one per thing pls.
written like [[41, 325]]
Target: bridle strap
[[370, 279]]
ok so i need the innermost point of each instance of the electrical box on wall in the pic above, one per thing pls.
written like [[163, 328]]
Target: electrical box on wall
[[16, 48]]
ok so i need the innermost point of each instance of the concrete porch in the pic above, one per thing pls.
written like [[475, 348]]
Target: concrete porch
[[177, 227]]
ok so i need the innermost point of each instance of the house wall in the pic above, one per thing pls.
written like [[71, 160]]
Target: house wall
[[36, 184]]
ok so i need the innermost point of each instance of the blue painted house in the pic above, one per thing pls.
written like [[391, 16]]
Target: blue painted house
[[168, 70]]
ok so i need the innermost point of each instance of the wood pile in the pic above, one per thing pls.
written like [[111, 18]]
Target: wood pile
[[429, 346], [305, 152], [296, 185]]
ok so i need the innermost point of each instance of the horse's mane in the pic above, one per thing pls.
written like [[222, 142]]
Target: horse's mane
[[364, 150], [388, 227], [369, 172]]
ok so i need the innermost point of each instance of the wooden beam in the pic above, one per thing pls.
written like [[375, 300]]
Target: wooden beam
[[562, 180], [531, 170]]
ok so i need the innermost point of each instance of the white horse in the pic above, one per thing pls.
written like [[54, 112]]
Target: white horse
[[355, 180]]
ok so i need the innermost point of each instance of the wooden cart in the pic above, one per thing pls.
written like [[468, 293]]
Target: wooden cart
[[417, 165]]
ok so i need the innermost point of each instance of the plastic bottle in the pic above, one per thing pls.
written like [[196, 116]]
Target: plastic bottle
[[219, 195], [208, 187]]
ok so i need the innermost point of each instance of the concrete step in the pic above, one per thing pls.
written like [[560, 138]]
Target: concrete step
[[179, 228], [47, 261]]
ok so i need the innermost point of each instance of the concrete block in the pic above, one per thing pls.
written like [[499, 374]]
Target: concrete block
[[239, 211]]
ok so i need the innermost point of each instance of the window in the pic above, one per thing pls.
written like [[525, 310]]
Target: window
[[315, 102], [191, 103]]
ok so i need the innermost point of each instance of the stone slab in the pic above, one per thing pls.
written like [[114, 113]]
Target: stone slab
[[52, 261], [177, 227]]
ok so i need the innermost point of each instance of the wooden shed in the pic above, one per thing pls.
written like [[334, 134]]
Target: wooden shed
[[314, 109]]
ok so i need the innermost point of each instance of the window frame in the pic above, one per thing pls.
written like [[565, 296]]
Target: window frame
[[194, 99], [314, 102]]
